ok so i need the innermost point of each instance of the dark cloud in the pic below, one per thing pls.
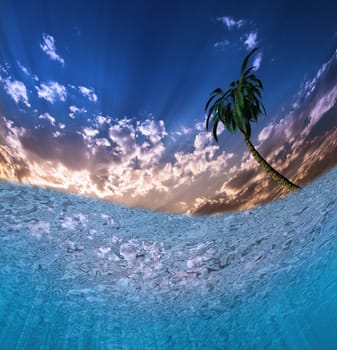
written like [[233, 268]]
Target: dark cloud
[[21, 169], [103, 156], [322, 156], [99, 180], [41, 143], [325, 124], [73, 151], [248, 196], [241, 179], [3, 133], [218, 206], [69, 149], [13, 165]]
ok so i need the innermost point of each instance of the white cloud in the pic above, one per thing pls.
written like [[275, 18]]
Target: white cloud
[[221, 44], [52, 91], [251, 40], [202, 140], [89, 93], [183, 131], [89, 135], [102, 142], [56, 134], [23, 68], [200, 126], [90, 132], [75, 110], [265, 132], [230, 22], [62, 126], [48, 117], [48, 46], [153, 130], [16, 90], [100, 119], [4, 69], [257, 61], [124, 135]]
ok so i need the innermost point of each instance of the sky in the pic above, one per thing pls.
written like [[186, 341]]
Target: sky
[[106, 98]]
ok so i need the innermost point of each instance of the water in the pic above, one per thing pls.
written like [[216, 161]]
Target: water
[[77, 273]]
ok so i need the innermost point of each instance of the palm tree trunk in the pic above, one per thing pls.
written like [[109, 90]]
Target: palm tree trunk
[[274, 174]]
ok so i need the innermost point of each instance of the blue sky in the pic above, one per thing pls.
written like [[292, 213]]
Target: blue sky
[[159, 57], [86, 72]]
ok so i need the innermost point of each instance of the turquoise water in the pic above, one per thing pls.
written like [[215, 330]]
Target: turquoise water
[[82, 274]]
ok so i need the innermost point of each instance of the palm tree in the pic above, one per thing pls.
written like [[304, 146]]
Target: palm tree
[[239, 106]]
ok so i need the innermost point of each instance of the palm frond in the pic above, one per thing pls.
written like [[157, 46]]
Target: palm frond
[[245, 61], [209, 102], [209, 116], [246, 72], [217, 91], [215, 125], [237, 106], [257, 81]]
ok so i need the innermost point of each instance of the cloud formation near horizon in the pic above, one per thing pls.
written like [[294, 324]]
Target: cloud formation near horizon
[[131, 171]]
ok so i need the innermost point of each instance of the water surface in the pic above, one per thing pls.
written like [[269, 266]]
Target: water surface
[[77, 273]]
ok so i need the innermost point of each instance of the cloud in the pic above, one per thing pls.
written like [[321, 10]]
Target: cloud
[[75, 110], [154, 130], [23, 68], [4, 69], [48, 117], [102, 142], [257, 61], [251, 40], [89, 133], [182, 131], [89, 93], [128, 167], [45, 150], [48, 46], [101, 120], [16, 90], [221, 44], [52, 91], [123, 134], [265, 133], [230, 22], [202, 140]]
